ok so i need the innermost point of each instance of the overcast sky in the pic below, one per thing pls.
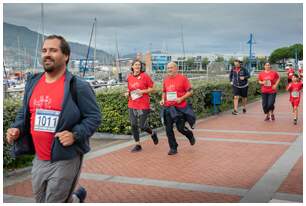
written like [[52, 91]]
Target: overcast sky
[[207, 28]]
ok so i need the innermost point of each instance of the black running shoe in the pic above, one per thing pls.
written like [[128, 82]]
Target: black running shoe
[[244, 111], [172, 152], [192, 141], [154, 138], [81, 193], [137, 148], [272, 117], [295, 121]]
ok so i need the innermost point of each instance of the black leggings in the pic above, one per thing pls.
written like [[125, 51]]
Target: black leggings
[[143, 124], [180, 125], [268, 101]]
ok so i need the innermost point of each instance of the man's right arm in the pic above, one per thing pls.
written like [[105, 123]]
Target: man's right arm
[[17, 128]]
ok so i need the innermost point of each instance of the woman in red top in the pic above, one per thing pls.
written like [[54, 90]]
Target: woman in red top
[[139, 87], [268, 79], [295, 88]]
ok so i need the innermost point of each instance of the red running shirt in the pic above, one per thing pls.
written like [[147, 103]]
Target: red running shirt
[[270, 76], [142, 81], [47, 96], [293, 88], [179, 84]]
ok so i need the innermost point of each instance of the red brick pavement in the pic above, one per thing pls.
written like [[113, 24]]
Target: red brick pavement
[[253, 122], [213, 163], [230, 164], [23, 189], [101, 191], [294, 182], [258, 137]]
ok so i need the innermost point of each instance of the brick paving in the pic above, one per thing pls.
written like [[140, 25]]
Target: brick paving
[[217, 164], [213, 163], [294, 182], [260, 137]]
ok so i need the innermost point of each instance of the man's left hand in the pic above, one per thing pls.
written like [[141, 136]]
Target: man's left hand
[[274, 87], [179, 100], [65, 137]]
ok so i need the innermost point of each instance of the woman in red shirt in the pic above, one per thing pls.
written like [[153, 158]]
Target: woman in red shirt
[[268, 79], [139, 86], [295, 88]]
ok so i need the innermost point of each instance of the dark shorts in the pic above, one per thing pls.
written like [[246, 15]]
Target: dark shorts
[[242, 92]]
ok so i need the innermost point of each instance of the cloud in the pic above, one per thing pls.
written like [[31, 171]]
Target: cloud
[[206, 27]]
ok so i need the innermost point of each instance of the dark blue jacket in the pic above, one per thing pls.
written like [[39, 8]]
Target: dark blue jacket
[[176, 112], [235, 77], [81, 118]]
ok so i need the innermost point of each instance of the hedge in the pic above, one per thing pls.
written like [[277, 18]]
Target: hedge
[[114, 109]]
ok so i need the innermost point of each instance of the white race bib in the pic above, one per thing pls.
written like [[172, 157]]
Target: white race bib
[[46, 120], [267, 83], [171, 96], [295, 94], [135, 94]]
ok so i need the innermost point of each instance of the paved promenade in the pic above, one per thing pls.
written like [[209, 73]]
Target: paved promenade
[[235, 159]]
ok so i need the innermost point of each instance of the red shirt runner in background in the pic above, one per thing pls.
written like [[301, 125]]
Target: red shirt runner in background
[[142, 81], [290, 73], [270, 79], [48, 96], [301, 72], [295, 92], [178, 84]]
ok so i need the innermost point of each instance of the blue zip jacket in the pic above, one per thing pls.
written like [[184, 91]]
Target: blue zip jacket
[[235, 77], [82, 119]]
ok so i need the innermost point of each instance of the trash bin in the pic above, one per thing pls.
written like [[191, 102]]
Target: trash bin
[[216, 99]]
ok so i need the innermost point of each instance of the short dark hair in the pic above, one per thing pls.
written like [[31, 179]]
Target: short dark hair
[[65, 48]]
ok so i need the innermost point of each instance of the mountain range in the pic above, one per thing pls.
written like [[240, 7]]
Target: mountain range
[[20, 43]]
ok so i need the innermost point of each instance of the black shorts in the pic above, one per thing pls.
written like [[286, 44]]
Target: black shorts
[[242, 92]]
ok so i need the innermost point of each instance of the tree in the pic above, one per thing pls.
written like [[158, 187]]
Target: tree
[[219, 59], [190, 63], [281, 54], [231, 60], [205, 62], [296, 48]]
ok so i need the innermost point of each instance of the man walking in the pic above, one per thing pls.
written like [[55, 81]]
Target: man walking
[[58, 116], [239, 79]]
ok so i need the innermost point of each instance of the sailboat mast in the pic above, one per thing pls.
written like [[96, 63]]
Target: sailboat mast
[[94, 60], [42, 23], [88, 50]]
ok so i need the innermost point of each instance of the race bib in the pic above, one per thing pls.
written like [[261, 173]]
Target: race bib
[[46, 120], [267, 83], [171, 96], [135, 94], [295, 94]]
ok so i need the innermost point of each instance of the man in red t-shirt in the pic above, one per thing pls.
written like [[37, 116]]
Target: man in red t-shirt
[[176, 89], [58, 123], [295, 88]]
